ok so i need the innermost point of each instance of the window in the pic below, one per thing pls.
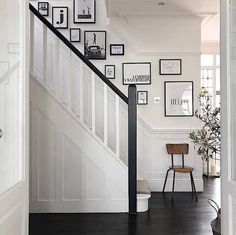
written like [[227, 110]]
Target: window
[[210, 77]]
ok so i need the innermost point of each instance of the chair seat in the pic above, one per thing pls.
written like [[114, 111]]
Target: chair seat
[[181, 169]]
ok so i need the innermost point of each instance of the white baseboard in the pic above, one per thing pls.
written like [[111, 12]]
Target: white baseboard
[[181, 185]]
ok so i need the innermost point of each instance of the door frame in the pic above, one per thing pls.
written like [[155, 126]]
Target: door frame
[[17, 197], [228, 186]]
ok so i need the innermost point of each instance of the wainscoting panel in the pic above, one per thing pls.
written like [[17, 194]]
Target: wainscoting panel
[[46, 153], [153, 160], [13, 217], [71, 170]]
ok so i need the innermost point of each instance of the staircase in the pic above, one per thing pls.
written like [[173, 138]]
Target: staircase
[[78, 101]]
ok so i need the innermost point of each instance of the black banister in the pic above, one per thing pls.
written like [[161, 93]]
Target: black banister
[[79, 54], [132, 148]]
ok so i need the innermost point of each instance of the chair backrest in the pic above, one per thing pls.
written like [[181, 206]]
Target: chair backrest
[[177, 149]]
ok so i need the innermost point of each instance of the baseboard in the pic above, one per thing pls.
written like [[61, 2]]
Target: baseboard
[[181, 185], [91, 206]]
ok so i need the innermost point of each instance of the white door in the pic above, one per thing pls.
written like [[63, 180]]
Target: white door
[[13, 118], [228, 115]]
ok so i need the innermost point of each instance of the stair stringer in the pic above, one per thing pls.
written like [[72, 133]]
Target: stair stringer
[[94, 155]]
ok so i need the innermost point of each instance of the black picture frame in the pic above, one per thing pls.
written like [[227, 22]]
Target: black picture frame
[[170, 67], [139, 102], [176, 96], [113, 71], [136, 67], [114, 49], [56, 24], [72, 38], [95, 45], [45, 10], [84, 19]]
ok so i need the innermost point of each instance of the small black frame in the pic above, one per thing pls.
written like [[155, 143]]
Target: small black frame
[[117, 46], [138, 101], [136, 63], [46, 9], [114, 71], [71, 31], [67, 17], [176, 101], [170, 67]]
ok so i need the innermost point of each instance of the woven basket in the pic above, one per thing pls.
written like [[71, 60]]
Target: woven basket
[[216, 223]]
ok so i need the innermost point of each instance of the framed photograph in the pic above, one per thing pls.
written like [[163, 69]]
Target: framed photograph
[[60, 17], [95, 45], [178, 99], [142, 97], [84, 11], [75, 35], [43, 8], [117, 49], [137, 73], [170, 66], [110, 71]]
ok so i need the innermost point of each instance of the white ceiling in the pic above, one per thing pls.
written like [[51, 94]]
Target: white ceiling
[[127, 8]]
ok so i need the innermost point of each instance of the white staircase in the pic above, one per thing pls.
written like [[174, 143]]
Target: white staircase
[[79, 132]]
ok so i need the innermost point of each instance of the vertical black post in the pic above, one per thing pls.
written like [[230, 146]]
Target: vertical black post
[[132, 148]]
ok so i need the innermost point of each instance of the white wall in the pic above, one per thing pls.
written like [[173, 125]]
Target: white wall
[[151, 39]]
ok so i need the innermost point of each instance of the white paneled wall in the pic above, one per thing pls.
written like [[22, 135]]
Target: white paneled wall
[[153, 160], [71, 170]]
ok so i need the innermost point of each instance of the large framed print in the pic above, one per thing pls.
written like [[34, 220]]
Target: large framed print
[[178, 98], [137, 73], [170, 67], [84, 11], [95, 45], [60, 17]]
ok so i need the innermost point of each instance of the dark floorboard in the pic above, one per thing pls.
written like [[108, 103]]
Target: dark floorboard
[[182, 216]]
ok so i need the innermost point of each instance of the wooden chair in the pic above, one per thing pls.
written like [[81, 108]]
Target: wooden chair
[[180, 149]]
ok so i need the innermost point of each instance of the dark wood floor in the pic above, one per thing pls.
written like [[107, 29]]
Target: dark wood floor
[[181, 216]]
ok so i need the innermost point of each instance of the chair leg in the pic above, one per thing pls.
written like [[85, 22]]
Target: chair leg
[[191, 183], [163, 190], [194, 188], [173, 186]]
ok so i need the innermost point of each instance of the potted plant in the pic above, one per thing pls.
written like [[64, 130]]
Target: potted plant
[[207, 139]]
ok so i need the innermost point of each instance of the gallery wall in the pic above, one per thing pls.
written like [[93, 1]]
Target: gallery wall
[[148, 39]]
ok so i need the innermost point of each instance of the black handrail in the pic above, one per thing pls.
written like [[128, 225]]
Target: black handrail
[[79, 54]]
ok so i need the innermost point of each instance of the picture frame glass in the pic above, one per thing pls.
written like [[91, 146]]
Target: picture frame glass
[[84, 11], [60, 17], [179, 99], [170, 67], [142, 97], [43, 8], [75, 35], [95, 45], [110, 71], [117, 50], [137, 73]]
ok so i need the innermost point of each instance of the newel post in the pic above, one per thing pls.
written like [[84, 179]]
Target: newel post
[[132, 148]]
